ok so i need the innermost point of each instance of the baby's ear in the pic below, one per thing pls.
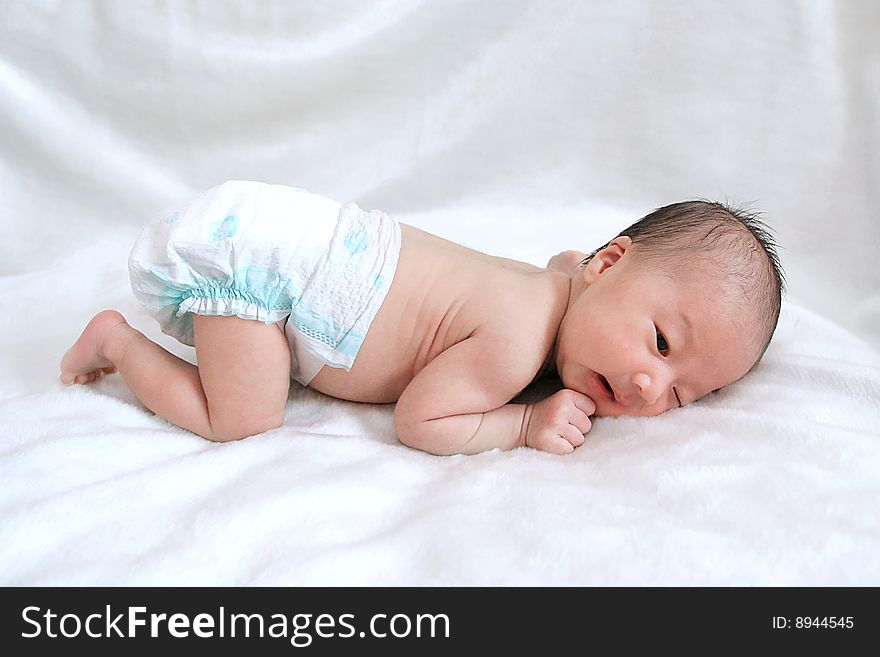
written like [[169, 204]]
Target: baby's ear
[[606, 257]]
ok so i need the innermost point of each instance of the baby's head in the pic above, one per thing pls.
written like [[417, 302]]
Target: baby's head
[[681, 303]]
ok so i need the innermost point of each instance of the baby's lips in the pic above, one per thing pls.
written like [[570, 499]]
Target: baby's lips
[[598, 389]]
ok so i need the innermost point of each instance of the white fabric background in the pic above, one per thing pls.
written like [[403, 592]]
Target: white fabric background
[[519, 128]]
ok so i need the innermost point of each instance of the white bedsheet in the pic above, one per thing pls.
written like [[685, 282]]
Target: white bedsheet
[[518, 128]]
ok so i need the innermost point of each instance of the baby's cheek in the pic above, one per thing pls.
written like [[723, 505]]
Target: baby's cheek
[[614, 350]]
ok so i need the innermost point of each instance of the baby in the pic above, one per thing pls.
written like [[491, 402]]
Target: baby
[[270, 283]]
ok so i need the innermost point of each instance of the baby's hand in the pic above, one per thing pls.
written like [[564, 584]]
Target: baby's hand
[[558, 423], [566, 262]]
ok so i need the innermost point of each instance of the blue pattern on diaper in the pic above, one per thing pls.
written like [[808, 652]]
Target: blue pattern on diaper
[[171, 218], [378, 282], [224, 229], [313, 325], [357, 241]]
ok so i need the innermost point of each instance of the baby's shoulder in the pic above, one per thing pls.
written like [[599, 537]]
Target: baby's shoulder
[[521, 338]]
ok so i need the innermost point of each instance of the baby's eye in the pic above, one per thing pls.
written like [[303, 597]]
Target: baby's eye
[[662, 345]]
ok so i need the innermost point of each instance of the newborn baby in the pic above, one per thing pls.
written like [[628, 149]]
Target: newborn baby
[[270, 283]]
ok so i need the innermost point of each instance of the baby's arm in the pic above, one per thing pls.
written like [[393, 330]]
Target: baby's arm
[[456, 405]]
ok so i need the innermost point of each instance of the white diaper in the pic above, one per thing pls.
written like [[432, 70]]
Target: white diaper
[[271, 253]]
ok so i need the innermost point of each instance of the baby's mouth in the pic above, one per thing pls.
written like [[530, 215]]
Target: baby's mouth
[[601, 387], [605, 383]]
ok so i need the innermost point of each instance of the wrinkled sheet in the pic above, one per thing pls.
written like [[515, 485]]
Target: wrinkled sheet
[[518, 128]]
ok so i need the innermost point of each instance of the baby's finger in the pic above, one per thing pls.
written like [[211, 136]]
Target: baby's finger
[[584, 403], [573, 435], [580, 420], [557, 445]]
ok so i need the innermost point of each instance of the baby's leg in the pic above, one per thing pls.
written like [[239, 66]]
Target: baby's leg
[[239, 389], [244, 367]]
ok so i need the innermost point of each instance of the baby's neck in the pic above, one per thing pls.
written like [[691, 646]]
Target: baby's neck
[[565, 289], [549, 366]]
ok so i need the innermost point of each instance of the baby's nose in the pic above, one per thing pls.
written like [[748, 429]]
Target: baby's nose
[[648, 390]]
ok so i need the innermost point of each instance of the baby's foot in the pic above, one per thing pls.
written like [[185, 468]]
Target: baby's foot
[[85, 361]]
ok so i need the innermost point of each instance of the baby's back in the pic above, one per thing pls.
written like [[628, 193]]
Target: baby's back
[[443, 293]]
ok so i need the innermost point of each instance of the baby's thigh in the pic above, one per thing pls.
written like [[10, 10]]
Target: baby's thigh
[[244, 366]]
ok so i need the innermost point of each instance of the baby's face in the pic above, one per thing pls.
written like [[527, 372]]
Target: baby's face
[[639, 341]]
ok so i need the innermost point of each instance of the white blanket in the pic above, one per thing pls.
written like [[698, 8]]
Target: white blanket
[[517, 128]]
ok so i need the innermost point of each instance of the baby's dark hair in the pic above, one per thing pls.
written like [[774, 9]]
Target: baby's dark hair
[[733, 238]]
